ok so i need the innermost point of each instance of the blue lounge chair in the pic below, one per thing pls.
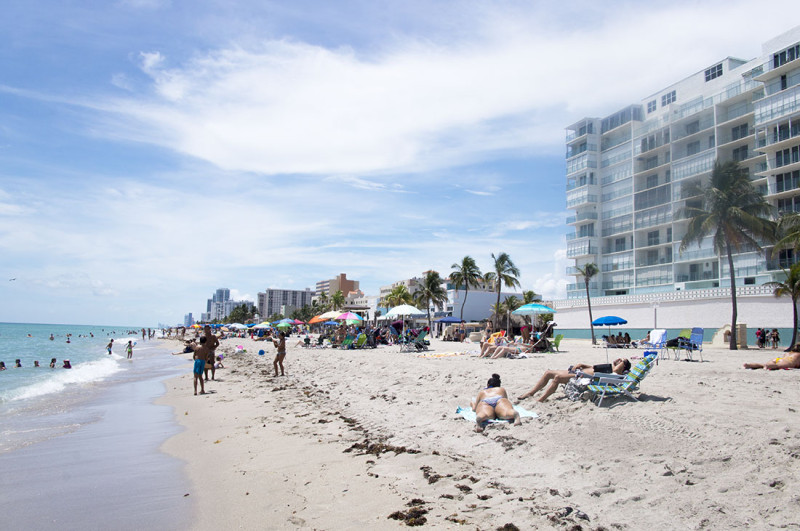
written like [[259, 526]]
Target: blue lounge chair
[[612, 385], [694, 343]]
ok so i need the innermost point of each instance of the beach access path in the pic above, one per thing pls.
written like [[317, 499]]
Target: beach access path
[[350, 437]]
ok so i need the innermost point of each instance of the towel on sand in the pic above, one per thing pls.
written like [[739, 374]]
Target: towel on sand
[[468, 414]]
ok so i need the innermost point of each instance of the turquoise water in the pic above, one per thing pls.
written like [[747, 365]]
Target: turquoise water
[[85, 350]]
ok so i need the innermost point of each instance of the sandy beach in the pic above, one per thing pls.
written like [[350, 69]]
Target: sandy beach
[[349, 438]]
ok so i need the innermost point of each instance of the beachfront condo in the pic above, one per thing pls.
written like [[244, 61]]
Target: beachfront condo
[[629, 175]]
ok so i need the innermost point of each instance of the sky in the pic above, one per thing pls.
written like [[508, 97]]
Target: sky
[[152, 151]]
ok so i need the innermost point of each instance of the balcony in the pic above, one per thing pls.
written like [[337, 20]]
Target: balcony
[[694, 165], [571, 152], [583, 216], [651, 262], [582, 286], [778, 105], [578, 235], [580, 249], [582, 198]]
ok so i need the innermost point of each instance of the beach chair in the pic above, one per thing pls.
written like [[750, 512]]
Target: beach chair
[[348, 340], [496, 336], [613, 385], [658, 341], [419, 343], [557, 341], [360, 341], [694, 343], [683, 337]]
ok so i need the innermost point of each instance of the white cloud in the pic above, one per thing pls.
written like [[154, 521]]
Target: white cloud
[[122, 81], [285, 106]]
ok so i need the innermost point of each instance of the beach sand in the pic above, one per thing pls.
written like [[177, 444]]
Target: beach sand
[[350, 437]]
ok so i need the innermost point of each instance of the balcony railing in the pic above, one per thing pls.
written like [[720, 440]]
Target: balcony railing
[[581, 199], [578, 235], [581, 250], [583, 216], [693, 165]]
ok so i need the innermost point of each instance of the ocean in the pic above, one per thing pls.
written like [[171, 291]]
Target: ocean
[[75, 440]]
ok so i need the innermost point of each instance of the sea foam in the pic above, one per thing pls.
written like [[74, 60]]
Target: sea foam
[[87, 372]]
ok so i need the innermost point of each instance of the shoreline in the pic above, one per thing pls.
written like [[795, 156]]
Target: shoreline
[[350, 437], [106, 472]]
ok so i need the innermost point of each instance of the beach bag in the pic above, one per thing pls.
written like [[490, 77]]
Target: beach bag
[[575, 388]]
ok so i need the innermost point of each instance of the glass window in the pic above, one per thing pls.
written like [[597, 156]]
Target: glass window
[[651, 106], [668, 98], [714, 72]]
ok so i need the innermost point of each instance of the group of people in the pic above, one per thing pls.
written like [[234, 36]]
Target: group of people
[[764, 337], [500, 346], [206, 359], [128, 348], [493, 402], [18, 364]]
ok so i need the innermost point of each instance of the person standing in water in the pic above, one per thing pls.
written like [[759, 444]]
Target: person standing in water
[[129, 350], [110, 346]]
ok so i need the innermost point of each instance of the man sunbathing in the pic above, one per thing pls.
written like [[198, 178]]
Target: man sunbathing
[[791, 361], [556, 378]]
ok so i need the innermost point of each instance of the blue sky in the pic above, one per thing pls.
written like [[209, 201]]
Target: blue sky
[[152, 151]]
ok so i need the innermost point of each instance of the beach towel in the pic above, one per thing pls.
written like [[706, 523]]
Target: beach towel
[[469, 415]]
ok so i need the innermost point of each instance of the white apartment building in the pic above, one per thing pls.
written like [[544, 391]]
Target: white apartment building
[[628, 175], [283, 301]]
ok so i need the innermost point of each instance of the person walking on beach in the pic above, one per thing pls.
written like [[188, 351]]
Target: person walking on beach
[[212, 342], [280, 344], [110, 346], [129, 350], [200, 356]]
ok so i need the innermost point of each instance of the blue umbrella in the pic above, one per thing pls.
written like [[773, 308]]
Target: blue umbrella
[[449, 319], [331, 323], [533, 308], [609, 321]]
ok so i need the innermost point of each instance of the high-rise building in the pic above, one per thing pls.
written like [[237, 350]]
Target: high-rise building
[[282, 301], [630, 174], [340, 283]]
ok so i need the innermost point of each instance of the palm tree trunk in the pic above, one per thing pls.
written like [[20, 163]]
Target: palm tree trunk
[[466, 289], [428, 308], [734, 312], [497, 312], [794, 328], [591, 319]]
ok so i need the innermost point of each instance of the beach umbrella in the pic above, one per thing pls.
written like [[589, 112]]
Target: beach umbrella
[[298, 322], [317, 319], [283, 325], [287, 320], [265, 324], [237, 326], [405, 310], [333, 314], [349, 316], [609, 321], [331, 323], [449, 319], [532, 309]]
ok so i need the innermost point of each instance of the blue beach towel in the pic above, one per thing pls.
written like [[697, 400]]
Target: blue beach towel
[[469, 415]]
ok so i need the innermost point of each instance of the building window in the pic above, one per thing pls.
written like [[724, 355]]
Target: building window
[[789, 54], [652, 238], [740, 153], [652, 181], [740, 131], [651, 106], [668, 98], [714, 72], [693, 148]]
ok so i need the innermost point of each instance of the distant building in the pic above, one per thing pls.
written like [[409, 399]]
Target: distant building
[[283, 301], [411, 285], [340, 283], [221, 310], [188, 320]]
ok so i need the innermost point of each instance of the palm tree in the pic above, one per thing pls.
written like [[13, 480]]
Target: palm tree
[[529, 297], [337, 300], [511, 303], [322, 301], [505, 273], [791, 288], [498, 310], [587, 272], [430, 292], [399, 295], [789, 230], [735, 213], [466, 274]]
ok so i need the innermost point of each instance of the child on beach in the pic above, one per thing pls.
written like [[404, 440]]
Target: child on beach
[[109, 346], [129, 350], [200, 356]]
